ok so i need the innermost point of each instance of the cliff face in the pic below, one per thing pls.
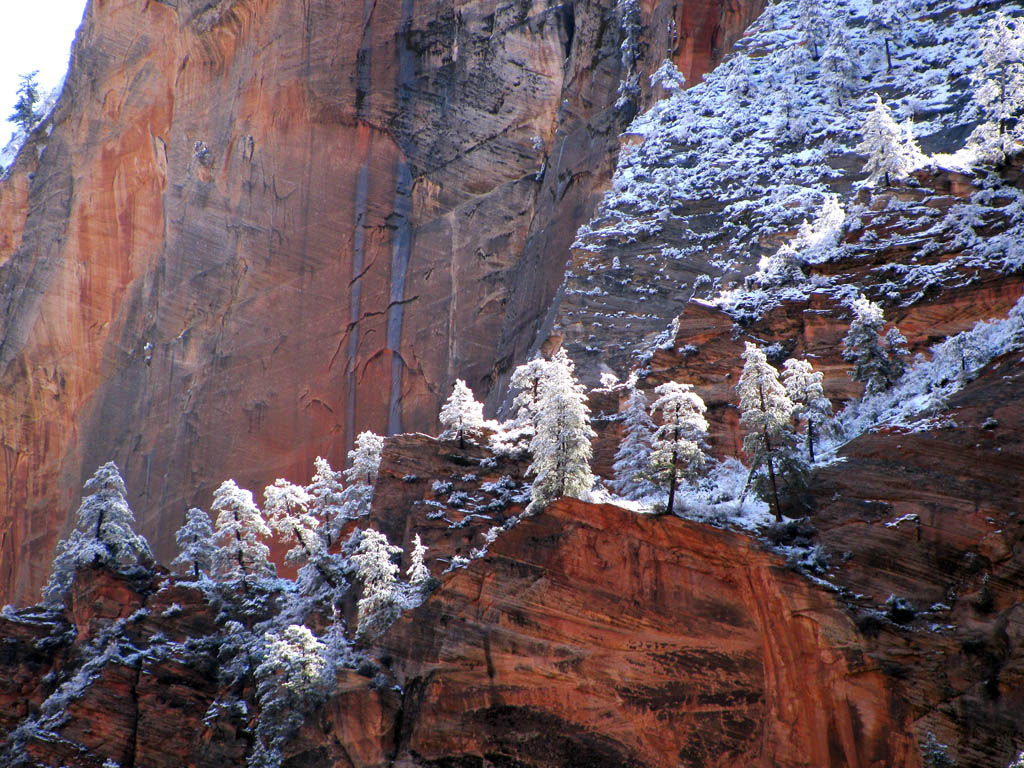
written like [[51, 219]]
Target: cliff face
[[252, 229], [587, 636]]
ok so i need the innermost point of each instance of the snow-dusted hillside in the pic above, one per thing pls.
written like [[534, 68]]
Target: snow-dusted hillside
[[722, 175]]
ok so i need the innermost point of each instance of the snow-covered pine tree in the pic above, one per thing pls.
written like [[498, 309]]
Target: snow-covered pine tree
[[103, 533], [668, 77], [361, 476], [886, 20], [461, 416], [679, 444], [105, 521], [892, 152], [417, 572], [561, 446], [738, 79], [365, 459], [286, 507], [326, 499], [803, 385], [527, 379], [633, 458], [838, 66], [62, 569], [195, 545], [289, 683], [790, 67], [238, 528], [999, 89], [378, 606], [766, 418], [876, 366], [814, 26]]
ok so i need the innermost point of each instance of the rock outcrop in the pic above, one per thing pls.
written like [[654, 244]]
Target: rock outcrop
[[592, 635], [250, 230], [588, 635]]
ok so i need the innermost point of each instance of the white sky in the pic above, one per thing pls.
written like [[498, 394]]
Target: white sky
[[34, 34]]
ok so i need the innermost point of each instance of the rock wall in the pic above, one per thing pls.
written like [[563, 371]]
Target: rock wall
[[588, 636], [253, 228]]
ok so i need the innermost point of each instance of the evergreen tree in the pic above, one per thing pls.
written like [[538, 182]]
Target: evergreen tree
[[892, 152], [838, 67], [738, 80], [668, 77], [561, 446], [103, 533], [238, 528], [326, 499], [876, 366], [680, 442], [999, 89], [803, 386], [195, 545], [633, 458], [361, 476], [765, 416], [417, 573], [378, 606], [515, 435], [527, 379], [813, 24], [62, 569], [25, 108], [290, 681], [286, 507], [886, 19], [364, 459], [462, 416], [790, 66]]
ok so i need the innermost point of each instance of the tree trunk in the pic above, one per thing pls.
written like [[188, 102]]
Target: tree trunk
[[888, 56], [775, 491], [318, 565], [672, 486], [768, 454], [810, 439]]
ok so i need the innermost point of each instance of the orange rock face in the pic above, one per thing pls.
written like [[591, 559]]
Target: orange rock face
[[250, 231], [588, 635], [593, 636]]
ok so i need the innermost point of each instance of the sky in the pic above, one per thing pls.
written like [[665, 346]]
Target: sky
[[34, 34]]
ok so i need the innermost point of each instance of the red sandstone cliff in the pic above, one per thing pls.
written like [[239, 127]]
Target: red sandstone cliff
[[253, 228]]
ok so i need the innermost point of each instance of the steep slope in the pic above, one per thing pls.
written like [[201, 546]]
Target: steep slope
[[253, 228], [717, 179]]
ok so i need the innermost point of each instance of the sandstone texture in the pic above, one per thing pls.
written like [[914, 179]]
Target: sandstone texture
[[587, 636]]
